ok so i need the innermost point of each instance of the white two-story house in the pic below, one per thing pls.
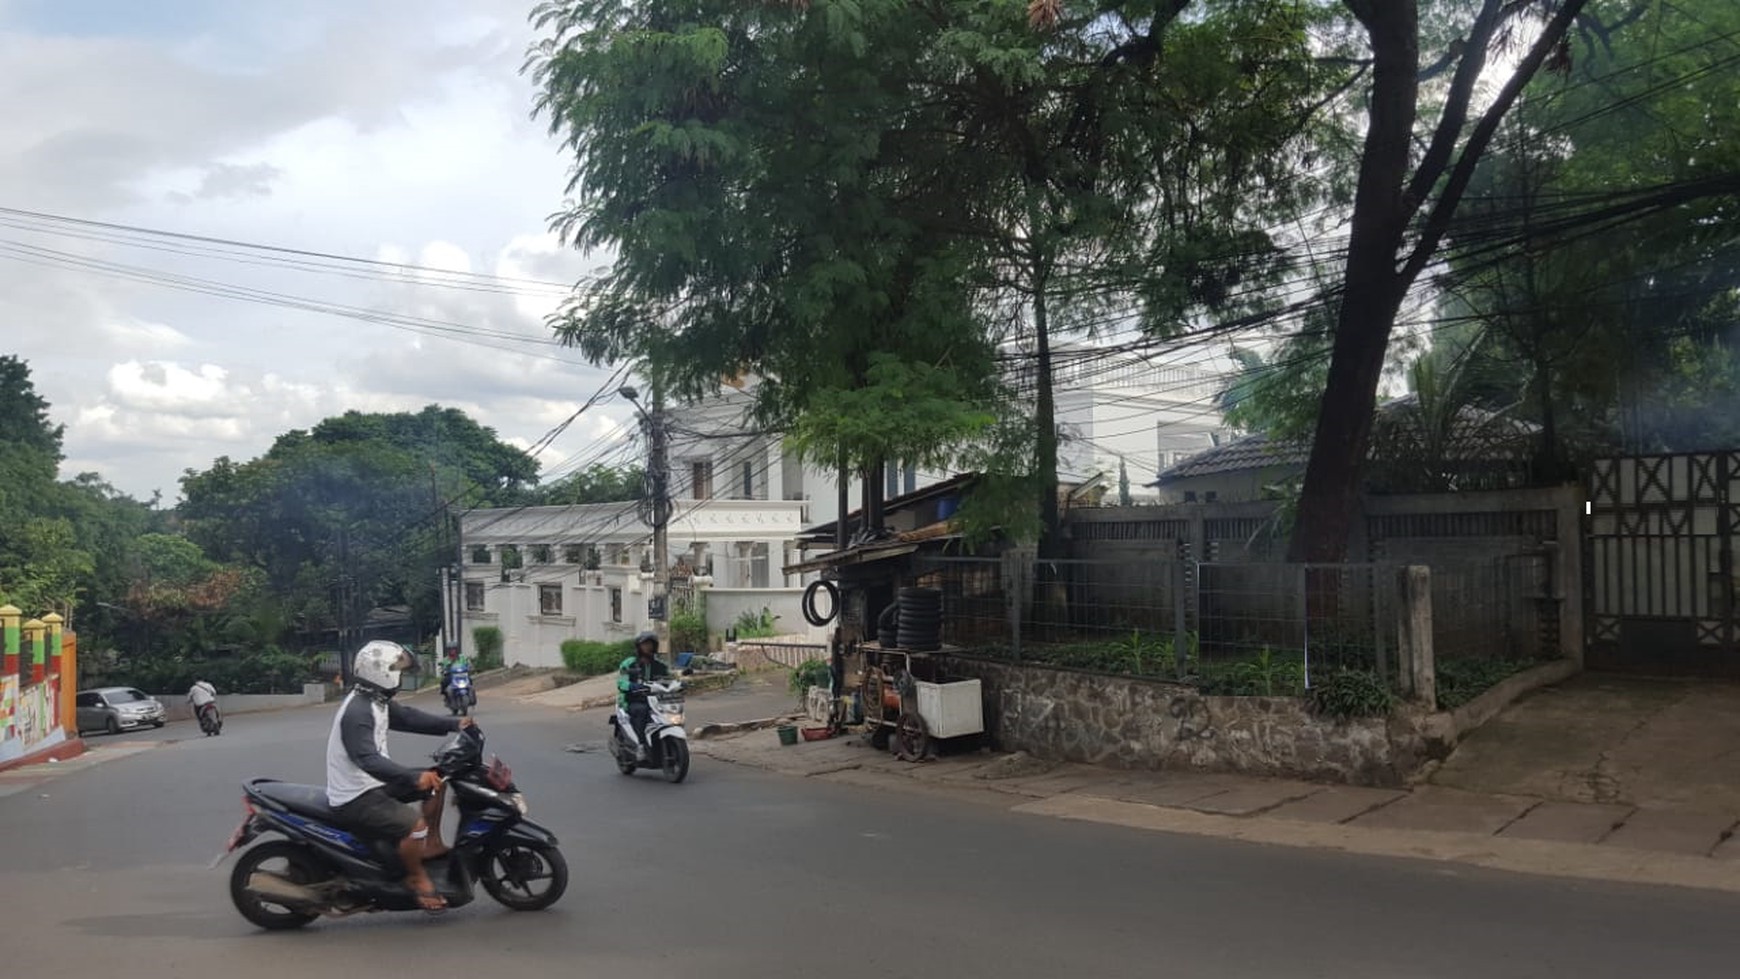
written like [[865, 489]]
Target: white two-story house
[[543, 575]]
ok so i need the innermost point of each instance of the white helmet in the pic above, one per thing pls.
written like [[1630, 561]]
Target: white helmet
[[377, 666]]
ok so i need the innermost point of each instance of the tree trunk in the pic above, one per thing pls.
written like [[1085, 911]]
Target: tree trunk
[[1045, 415], [1373, 291]]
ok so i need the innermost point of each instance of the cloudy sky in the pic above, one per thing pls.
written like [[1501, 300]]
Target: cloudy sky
[[392, 130]]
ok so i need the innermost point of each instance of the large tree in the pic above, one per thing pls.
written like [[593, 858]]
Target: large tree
[[860, 201], [1405, 201], [361, 501]]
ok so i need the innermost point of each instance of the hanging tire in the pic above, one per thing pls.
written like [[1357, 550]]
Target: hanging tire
[[809, 603]]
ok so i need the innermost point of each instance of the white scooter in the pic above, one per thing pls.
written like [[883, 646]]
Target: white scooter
[[667, 742]]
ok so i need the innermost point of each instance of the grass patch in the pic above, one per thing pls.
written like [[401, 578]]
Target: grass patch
[[1461, 679]]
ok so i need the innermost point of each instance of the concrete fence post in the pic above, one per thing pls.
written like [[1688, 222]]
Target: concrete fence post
[[10, 616], [1417, 668], [54, 622], [35, 631]]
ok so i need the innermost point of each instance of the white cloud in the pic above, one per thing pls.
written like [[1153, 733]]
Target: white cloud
[[396, 129]]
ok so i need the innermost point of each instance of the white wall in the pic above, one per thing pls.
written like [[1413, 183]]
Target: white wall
[[724, 605]]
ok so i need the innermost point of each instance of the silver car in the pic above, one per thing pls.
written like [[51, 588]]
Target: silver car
[[117, 709]]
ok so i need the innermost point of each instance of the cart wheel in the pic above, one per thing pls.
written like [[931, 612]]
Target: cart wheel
[[911, 738]]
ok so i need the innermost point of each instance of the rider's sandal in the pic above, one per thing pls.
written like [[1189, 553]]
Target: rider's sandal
[[431, 894]]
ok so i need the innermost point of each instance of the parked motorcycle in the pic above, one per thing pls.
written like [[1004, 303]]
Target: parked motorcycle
[[319, 869], [211, 720], [461, 696], [667, 741]]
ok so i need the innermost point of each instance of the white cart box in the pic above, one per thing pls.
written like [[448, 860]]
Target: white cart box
[[951, 710]]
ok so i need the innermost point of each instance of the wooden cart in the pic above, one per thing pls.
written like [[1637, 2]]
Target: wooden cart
[[910, 705]]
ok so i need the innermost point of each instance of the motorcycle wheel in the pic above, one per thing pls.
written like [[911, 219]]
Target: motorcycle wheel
[[675, 759], [302, 868], [509, 871]]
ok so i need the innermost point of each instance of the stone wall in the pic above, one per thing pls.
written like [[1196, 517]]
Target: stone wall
[[1068, 715]]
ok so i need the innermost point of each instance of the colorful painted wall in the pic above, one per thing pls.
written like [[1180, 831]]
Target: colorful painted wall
[[37, 685]]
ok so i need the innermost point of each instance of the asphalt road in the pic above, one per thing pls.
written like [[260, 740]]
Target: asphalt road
[[740, 874]]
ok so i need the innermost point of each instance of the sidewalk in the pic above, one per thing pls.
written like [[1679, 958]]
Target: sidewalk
[[1681, 846]]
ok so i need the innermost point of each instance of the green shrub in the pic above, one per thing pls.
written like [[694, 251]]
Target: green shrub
[[266, 672], [1462, 679], [753, 625], [488, 643], [595, 658], [1268, 675], [688, 628], [811, 673], [1346, 694]]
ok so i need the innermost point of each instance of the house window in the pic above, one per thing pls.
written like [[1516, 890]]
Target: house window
[[510, 557], [480, 555], [618, 554], [616, 605], [549, 599], [701, 480], [1210, 496], [574, 554], [1190, 496], [474, 596], [540, 554], [749, 480]]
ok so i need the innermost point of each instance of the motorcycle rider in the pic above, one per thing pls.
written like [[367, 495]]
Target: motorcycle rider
[[631, 679], [370, 793], [454, 659], [201, 695]]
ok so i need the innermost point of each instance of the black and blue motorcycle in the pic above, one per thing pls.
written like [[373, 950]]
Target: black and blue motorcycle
[[316, 869]]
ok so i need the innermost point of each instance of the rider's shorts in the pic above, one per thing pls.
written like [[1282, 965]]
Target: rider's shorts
[[377, 813]]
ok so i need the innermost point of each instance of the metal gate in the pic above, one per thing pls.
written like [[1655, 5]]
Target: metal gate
[[1659, 564]]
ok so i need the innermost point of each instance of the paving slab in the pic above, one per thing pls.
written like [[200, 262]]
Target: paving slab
[[1336, 804], [1073, 778], [1255, 796], [1442, 810], [1673, 831], [1174, 790], [1568, 822]]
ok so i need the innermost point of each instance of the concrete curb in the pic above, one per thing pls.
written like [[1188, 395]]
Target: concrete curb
[[1539, 857], [707, 731], [1091, 797]]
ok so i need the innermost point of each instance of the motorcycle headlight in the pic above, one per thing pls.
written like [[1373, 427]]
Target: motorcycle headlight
[[519, 801]]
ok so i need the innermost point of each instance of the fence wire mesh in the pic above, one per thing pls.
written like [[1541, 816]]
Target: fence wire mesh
[[1237, 628]]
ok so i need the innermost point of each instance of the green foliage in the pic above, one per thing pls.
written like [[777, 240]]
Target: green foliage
[[595, 484], [1347, 694], [811, 673], [688, 628], [756, 625], [266, 671], [1138, 654], [488, 642], [861, 206], [595, 658], [1461, 679], [352, 494], [1270, 674]]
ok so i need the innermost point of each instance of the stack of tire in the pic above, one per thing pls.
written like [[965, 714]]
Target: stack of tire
[[918, 623]]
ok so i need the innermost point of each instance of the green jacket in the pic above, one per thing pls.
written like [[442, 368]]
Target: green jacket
[[657, 671]]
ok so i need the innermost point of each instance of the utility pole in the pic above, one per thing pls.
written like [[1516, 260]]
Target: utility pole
[[656, 513]]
